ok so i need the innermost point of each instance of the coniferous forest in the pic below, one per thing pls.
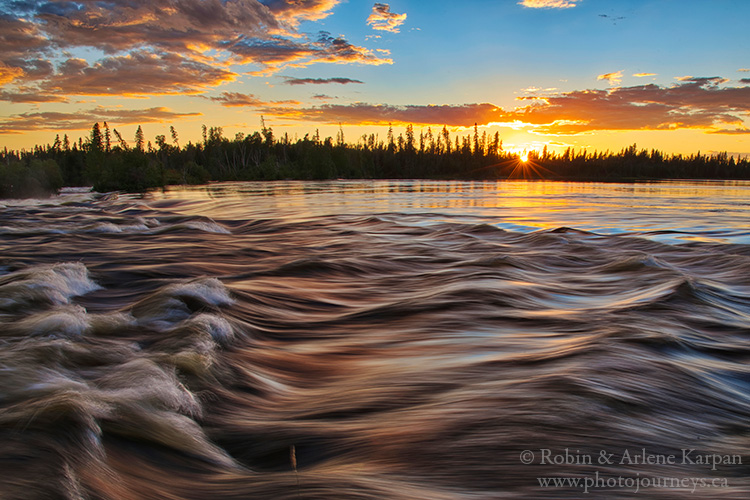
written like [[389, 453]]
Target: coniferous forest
[[108, 162]]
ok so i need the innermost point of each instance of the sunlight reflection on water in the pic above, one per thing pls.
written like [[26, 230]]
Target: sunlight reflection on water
[[666, 211]]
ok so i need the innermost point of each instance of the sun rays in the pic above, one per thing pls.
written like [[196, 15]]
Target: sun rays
[[524, 166]]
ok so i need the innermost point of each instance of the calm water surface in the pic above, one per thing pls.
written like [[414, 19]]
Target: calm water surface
[[371, 340], [694, 211]]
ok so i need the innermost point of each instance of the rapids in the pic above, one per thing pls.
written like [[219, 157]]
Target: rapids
[[377, 340]]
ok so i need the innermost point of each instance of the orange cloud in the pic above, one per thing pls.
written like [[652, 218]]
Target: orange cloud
[[152, 48], [301, 10], [138, 73], [237, 99], [464, 115], [699, 103], [641, 75], [613, 78], [176, 26], [31, 96], [731, 131], [274, 51], [277, 51], [383, 19], [20, 41], [82, 119], [338, 50], [9, 73], [549, 4]]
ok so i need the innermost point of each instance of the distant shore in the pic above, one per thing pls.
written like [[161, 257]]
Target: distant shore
[[117, 166]]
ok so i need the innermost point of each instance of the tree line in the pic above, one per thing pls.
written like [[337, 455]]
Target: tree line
[[108, 162]]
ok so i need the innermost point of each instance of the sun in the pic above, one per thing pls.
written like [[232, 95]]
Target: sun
[[528, 164]]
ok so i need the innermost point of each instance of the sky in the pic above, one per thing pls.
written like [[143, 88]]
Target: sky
[[672, 75]]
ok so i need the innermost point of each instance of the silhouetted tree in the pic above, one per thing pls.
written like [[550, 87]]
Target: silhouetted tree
[[107, 138], [139, 139], [120, 140], [174, 136], [95, 140], [259, 156]]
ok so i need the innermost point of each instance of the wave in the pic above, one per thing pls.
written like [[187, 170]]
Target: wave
[[369, 356]]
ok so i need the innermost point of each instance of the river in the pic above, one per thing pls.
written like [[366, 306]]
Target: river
[[377, 340]]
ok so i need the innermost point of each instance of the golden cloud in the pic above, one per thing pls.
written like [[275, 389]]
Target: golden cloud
[[178, 26], [82, 119], [155, 48], [276, 52], [549, 4], [238, 99], [464, 115], [613, 78], [9, 73], [699, 103], [293, 13], [138, 73], [383, 19], [31, 96]]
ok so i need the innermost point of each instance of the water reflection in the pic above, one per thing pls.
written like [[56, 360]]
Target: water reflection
[[668, 211]]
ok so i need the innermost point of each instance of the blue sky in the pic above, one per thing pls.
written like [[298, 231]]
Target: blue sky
[[585, 73]]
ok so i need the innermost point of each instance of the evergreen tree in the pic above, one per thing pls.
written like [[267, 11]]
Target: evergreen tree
[[174, 136], [140, 140], [120, 140], [340, 137], [107, 138], [476, 141], [96, 142], [447, 138], [409, 141]]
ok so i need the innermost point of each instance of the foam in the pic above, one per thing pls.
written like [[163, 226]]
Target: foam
[[55, 284], [209, 291], [67, 321], [109, 227], [219, 328]]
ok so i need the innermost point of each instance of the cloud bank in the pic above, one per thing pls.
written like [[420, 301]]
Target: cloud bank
[[697, 103], [82, 119], [157, 48]]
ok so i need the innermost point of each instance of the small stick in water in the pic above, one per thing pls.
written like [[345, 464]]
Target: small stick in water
[[293, 458]]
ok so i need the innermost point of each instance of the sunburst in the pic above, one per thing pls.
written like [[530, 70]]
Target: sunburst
[[525, 167]]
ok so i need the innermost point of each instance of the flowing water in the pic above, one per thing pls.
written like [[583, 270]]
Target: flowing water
[[377, 340]]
